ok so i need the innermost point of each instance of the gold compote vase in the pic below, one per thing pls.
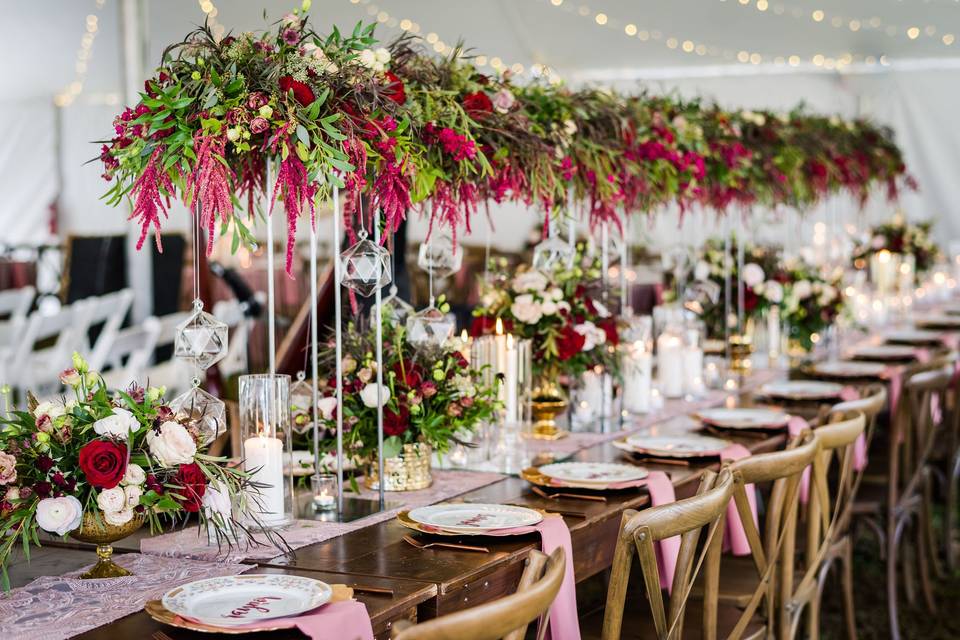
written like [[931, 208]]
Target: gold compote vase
[[548, 400], [97, 531], [407, 471]]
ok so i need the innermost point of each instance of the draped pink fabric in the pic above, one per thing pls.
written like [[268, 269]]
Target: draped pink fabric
[[735, 536], [347, 620]]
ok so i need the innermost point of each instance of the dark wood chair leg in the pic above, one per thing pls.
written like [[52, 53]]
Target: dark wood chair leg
[[846, 579]]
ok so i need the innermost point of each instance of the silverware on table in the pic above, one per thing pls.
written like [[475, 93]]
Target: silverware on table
[[444, 545], [573, 496]]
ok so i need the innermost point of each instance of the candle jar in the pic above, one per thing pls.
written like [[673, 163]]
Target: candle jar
[[670, 369], [636, 364], [264, 403], [323, 488], [693, 358]]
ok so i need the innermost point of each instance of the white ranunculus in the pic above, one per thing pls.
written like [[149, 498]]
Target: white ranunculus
[[216, 500], [52, 409], [172, 444], [119, 425], [549, 307], [701, 271], [602, 310], [382, 55], [593, 335], [773, 291], [59, 515], [134, 476], [526, 309], [118, 518], [112, 500], [131, 495], [555, 294], [531, 280], [369, 395], [326, 407], [753, 274], [802, 289], [368, 58]]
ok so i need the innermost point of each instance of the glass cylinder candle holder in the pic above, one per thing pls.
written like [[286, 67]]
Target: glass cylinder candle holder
[[636, 364], [670, 369], [693, 358], [323, 488], [265, 431]]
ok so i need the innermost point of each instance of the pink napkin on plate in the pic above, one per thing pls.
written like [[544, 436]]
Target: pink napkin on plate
[[346, 620], [734, 536]]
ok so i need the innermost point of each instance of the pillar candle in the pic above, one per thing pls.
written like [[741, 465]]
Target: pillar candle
[[637, 366], [670, 365], [263, 459], [510, 380], [692, 370]]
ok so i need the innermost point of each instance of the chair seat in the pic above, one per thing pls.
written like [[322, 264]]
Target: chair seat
[[638, 622], [738, 581]]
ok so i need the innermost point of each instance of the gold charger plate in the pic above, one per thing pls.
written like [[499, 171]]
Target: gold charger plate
[[161, 614], [533, 476], [404, 519]]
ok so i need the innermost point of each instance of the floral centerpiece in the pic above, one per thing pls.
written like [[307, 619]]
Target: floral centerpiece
[[97, 466], [429, 400], [811, 301], [901, 237]]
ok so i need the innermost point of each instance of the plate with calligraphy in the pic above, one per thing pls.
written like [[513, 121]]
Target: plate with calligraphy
[[232, 601], [467, 518]]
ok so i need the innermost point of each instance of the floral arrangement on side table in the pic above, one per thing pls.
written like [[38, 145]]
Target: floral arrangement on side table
[[902, 237], [99, 462]]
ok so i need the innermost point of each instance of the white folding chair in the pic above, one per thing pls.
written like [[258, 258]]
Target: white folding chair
[[130, 354], [14, 306], [38, 369], [231, 313], [110, 310]]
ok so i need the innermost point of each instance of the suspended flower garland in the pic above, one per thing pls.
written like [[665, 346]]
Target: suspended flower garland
[[406, 128]]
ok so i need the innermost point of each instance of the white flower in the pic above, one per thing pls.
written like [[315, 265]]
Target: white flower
[[569, 127], [233, 134], [802, 289], [119, 518], [602, 310], [119, 425], [827, 294], [555, 294], [326, 407], [290, 20], [134, 475], [503, 100], [59, 515], [52, 409], [549, 307], [701, 271], [774, 291], [216, 500], [369, 395], [266, 111], [526, 309], [131, 494], [563, 305], [531, 280], [382, 55], [464, 385], [753, 274], [368, 58], [111, 500], [593, 335], [172, 444]]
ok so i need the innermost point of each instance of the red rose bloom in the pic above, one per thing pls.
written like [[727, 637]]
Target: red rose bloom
[[395, 423], [302, 92], [569, 343], [477, 105], [103, 463], [191, 485], [394, 89], [410, 375], [609, 327]]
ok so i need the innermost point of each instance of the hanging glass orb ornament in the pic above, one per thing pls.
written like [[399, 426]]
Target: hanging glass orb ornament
[[365, 266], [301, 399], [201, 413], [440, 256], [393, 308], [429, 329], [552, 253], [201, 339]]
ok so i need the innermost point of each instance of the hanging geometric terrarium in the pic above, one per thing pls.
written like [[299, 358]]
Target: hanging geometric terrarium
[[201, 413], [393, 308], [551, 253], [429, 329], [201, 340], [439, 256], [365, 267], [301, 398]]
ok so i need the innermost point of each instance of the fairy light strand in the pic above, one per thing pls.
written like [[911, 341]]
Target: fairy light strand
[[81, 65]]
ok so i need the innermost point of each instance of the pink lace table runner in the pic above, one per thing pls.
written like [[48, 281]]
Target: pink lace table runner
[[55, 607], [192, 543]]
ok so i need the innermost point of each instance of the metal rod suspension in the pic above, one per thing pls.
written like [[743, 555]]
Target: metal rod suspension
[[338, 324]]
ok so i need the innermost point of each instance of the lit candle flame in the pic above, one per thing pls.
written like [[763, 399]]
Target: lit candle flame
[[509, 341], [463, 335], [499, 327]]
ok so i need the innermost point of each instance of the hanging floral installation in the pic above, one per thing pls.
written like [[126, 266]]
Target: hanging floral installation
[[410, 130]]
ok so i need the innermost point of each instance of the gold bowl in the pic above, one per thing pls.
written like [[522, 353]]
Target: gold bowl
[[408, 471], [96, 530]]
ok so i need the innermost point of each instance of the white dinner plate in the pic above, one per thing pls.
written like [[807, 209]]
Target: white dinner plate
[[689, 445], [938, 320], [912, 336], [237, 600], [850, 369], [883, 352], [592, 473], [802, 390], [747, 418], [473, 518]]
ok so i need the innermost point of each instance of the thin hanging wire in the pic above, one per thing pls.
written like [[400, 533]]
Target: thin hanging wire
[[197, 302]]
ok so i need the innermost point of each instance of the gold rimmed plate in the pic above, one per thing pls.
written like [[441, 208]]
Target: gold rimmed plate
[[535, 475], [683, 446]]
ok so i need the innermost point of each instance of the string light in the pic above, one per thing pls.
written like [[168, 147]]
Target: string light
[[82, 64], [211, 11]]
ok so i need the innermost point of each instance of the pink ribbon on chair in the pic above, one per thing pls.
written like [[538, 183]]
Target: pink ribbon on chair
[[795, 427], [860, 446], [346, 620], [734, 535]]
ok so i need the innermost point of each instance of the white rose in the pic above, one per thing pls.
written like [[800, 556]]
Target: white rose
[[753, 274], [326, 407], [119, 518], [503, 100], [119, 425], [172, 444], [52, 409], [802, 289], [530, 281], [131, 495], [774, 291], [549, 307], [134, 475], [369, 395], [59, 515], [592, 334], [827, 295], [556, 294], [526, 309], [701, 271], [563, 305], [112, 500], [216, 500], [368, 58], [602, 310], [382, 55]]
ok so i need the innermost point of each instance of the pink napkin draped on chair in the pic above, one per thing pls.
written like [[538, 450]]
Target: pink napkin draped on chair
[[346, 620], [734, 535]]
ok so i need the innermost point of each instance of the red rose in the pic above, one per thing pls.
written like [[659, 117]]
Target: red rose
[[609, 327], [191, 484], [395, 423], [409, 374], [394, 89], [477, 105], [302, 92], [103, 463], [569, 343]]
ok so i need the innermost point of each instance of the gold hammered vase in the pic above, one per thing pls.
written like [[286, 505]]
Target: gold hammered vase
[[408, 471], [741, 349], [99, 532], [547, 402]]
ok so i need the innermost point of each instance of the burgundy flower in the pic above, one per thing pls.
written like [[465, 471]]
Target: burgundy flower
[[409, 374], [394, 89], [396, 423], [153, 484], [42, 489], [477, 105], [301, 91], [44, 463], [569, 342], [290, 36], [164, 414], [191, 485], [257, 99], [466, 401], [609, 326], [103, 462]]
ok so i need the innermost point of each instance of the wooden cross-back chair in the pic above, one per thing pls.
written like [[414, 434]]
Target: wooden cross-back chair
[[800, 591], [699, 521], [507, 617]]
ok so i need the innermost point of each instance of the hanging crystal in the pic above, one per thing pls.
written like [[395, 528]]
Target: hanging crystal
[[439, 256], [201, 413], [365, 266], [301, 397], [551, 253], [394, 309], [201, 339], [429, 329]]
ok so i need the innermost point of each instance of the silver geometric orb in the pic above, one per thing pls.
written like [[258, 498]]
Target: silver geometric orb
[[365, 267], [551, 253], [200, 412], [440, 256], [429, 329], [201, 340]]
